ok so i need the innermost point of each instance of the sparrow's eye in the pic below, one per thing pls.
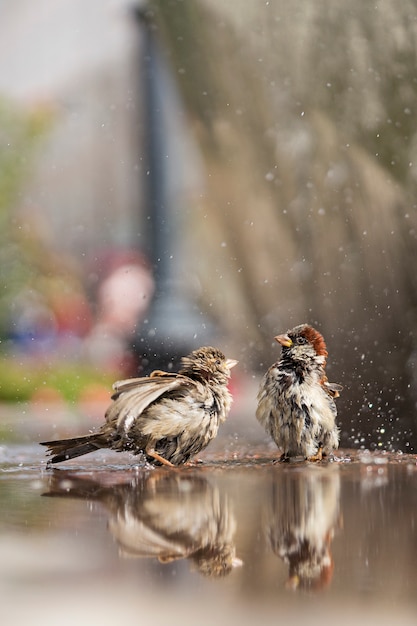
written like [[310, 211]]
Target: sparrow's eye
[[218, 362], [301, 340]]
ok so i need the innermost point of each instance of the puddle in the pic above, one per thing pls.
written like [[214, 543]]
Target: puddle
[[235, 538]]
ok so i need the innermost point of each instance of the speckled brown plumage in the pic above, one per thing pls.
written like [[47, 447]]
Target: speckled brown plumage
[[295, 400], [169, 417]]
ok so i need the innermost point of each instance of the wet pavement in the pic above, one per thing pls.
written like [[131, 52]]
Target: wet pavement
[[235, 538]]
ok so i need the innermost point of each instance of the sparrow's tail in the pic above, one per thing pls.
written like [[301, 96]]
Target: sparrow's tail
[[65, 449]]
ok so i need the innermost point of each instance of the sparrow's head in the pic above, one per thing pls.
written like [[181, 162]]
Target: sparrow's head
[[208, 364], [311, 571], [302, 343], [216, 561]]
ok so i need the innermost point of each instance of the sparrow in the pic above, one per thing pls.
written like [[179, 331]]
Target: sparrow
[[296, 401], [164, 516], [166, 416]]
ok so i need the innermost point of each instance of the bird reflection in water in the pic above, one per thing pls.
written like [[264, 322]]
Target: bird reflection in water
[[163, 516], [300, 521]]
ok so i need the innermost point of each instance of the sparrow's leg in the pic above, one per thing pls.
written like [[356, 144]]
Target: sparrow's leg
[[284, 458], [318, 456], [151, 452]]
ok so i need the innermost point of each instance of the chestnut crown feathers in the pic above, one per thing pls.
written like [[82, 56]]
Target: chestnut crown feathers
[[314, 337], [308, 334]]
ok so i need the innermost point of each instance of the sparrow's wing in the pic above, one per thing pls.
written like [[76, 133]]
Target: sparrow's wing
[[133, 396], [333, 389], [130, 383]]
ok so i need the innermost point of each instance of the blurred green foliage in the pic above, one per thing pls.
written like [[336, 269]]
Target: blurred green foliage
[[31, 273], [20, 133], [19, 382]]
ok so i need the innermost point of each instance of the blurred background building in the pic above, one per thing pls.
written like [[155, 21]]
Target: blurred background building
[[288, 161]]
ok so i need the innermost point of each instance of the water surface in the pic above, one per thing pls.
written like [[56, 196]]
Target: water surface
[[236, 537]]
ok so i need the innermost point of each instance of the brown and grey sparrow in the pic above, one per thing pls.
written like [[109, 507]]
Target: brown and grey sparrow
[[295, 400], [169, 417]]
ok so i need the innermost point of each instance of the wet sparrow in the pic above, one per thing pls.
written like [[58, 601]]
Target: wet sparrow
[[295, 400], [169, 417]]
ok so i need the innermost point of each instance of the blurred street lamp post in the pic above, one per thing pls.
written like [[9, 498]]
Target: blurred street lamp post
[[174, 325]]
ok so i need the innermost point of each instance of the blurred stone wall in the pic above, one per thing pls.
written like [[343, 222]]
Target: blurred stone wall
[[305, 114]]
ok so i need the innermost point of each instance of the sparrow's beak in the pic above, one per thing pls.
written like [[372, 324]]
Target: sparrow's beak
[[284, 340], [231, 363]]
